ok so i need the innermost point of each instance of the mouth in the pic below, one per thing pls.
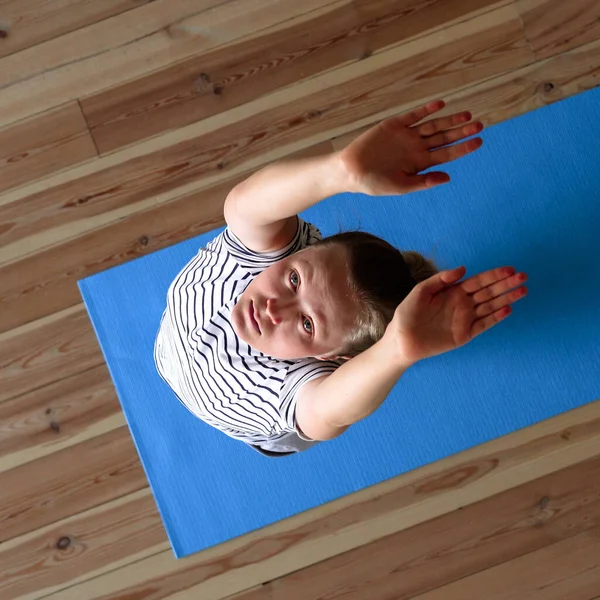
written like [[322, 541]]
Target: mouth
[[253, 319]]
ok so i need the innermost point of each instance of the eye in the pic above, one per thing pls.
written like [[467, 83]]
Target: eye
[[294, 279], [307, 325]]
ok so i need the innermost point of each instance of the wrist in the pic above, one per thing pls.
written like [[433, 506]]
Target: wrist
[[347, 174], [395, 350], [338, 177]]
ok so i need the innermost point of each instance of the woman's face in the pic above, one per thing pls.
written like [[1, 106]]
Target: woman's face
[[298, 307]]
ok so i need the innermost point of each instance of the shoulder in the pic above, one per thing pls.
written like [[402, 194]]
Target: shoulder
[[300, 235], [309, 419]]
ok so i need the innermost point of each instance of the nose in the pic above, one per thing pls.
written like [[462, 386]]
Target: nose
[[277, 309]]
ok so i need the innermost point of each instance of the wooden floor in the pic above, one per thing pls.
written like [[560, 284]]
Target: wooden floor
[[123, 125]]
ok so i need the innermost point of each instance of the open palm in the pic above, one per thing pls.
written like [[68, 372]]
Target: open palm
[[440, 314], [388, 158]]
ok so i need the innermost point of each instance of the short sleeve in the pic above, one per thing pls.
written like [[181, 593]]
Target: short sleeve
[[306, 235], [297, 375]]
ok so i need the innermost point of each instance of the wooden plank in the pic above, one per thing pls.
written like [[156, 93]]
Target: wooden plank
[[554, 26], [494, 45], [304, 539], [58, 269], [46, 351], [228, 77], [55, 271], [30, 22], [43, 145], [61, 484], [78, 547], [128, 46], [494, 100], [280, 124], [58, 416], [568, 569], [106, 35], [454, 546], [520, 91]]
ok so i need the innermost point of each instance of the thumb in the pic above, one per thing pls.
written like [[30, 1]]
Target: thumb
[[440, 280], [426, 181]]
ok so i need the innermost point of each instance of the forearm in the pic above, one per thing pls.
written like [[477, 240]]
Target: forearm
[[286, 188], [359, 386]]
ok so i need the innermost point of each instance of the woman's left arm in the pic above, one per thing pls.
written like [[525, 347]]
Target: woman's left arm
[[261, 211], [387, 159]]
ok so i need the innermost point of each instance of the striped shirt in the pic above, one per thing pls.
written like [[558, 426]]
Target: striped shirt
[[222, 380]]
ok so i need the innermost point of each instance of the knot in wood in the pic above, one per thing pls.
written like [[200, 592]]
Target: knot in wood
[[544, 502], [548, 87], [55, 426], [63, 543], [203, 83], [144, 240]]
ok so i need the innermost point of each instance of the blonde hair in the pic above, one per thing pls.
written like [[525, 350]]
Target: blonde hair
[[380, 277], [420, 268]]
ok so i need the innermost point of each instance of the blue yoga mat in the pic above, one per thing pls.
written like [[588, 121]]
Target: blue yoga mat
[[528, 198]]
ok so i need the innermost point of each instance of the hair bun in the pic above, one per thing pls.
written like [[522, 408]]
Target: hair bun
[[420, 268]]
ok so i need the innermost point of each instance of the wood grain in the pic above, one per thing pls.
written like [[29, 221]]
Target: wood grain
[[326, 531], [57, 416], [43, 145], [522, 90], [454, 546], [129, 46], [76, 548], [492, 101], [554, 26], [242, 72], [30, 22], [568, 569], [291, 82], [480, 48], [46, 351], [492, 47], [59, 485], [95, 39], [141, 233]]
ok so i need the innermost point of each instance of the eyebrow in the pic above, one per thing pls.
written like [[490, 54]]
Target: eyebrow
[[308, 268]]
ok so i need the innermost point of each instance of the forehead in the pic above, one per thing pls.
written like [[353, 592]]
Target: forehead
[[326, 263], [327, 274]]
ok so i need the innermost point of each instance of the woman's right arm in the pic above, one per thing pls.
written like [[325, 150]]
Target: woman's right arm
[[440, 314], [327, 406]]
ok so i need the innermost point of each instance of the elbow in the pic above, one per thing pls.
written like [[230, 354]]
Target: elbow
[[314, 427], [330, 432], [230, 207]]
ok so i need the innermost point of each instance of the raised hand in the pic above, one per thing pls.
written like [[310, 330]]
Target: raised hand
[[387, 159], [440, 314]]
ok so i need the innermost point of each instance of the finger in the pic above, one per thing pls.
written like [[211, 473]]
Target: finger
[[488, 308], [453, 135], [436, 125], [441, 280], [449, 153], [488, 322], [500, 287], [416, 183], [482, 280], [420, 113]]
